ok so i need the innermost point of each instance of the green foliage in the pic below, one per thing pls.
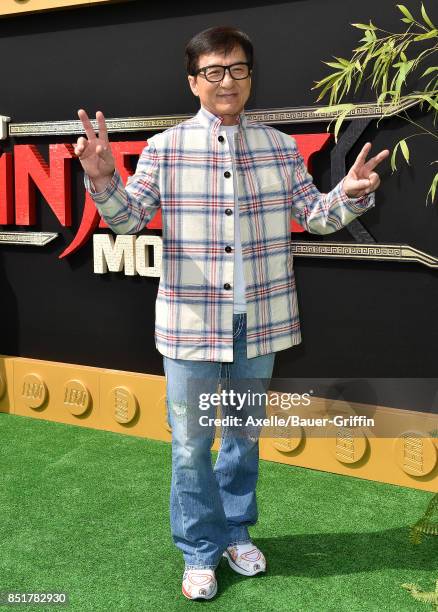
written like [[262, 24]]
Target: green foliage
[[430, 597], [428, 524], [383, 57]]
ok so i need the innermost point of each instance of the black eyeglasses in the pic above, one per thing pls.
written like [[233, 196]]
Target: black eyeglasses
[[214, 74]]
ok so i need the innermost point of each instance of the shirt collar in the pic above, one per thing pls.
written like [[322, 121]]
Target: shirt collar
[[214, 122]]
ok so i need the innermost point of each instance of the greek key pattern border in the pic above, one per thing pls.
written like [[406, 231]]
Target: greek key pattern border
[[336, 250], [29, 238], [274, 116], [374, 251]]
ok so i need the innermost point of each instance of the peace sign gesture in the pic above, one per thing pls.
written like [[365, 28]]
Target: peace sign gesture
[[94, 152], [361, 179]]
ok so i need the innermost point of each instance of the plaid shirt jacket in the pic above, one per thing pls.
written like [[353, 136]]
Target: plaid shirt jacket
[[187, 170]]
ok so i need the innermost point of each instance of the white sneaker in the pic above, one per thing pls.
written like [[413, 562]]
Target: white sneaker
[[245, 559], [199, 584]]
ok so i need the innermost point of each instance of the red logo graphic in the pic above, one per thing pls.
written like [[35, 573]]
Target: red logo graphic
[[28, 171]]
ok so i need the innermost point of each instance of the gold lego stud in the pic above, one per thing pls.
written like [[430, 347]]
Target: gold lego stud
[[77, 398], [33, 391]]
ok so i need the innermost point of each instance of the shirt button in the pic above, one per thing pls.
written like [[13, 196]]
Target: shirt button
[[228, 249], [228, 211], [221, 138], [227, 286], [227, 174]]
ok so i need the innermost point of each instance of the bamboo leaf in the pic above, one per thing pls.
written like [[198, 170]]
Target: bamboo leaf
[[338, 124], [385, 83], [341, 118], [361, 26], [363, 48], [330, 77], [425, 97], [335, 107], [379, 68], [405, 12], [323, 92], [334, 65], [368, 57], [331, 85], [393, 156], [358, 81], [430, 70], [431, 34], [381, 98], [426, 17], [432, 189], [403, 71], [364, 26], [343, 61], [334, 92], [404, 149]]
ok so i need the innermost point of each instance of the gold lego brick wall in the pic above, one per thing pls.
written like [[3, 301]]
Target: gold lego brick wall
[[131, 403], [15, 7]]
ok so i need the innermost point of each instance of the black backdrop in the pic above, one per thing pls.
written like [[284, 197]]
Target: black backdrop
[[358, 319]]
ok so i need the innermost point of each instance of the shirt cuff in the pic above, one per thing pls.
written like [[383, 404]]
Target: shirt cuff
[[100, 197], [356, 205]]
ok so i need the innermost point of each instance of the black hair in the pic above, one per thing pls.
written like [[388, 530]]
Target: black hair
[[217, 39]]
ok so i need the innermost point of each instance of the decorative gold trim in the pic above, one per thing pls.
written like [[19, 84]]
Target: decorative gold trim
[[354, 250], [299, 114], [33, 238]]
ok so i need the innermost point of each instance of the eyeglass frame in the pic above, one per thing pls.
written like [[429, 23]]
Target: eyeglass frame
[[204, 68]]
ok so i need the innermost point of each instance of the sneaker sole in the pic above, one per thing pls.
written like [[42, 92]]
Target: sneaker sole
[[200, 596], [239, 569]]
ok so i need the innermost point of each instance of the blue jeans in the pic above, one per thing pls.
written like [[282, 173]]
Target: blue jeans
[[212, 507]]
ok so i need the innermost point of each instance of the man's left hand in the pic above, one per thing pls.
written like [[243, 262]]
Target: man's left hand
[[361, 178]]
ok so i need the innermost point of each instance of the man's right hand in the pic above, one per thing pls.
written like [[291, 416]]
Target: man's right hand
[[94, 152]]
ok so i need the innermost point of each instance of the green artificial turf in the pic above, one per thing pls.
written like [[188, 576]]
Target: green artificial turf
[[86, 512]]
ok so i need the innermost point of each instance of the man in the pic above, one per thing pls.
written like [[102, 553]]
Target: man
[[226, 301]]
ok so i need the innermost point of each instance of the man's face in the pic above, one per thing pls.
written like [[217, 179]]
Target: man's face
[[226, 98]]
